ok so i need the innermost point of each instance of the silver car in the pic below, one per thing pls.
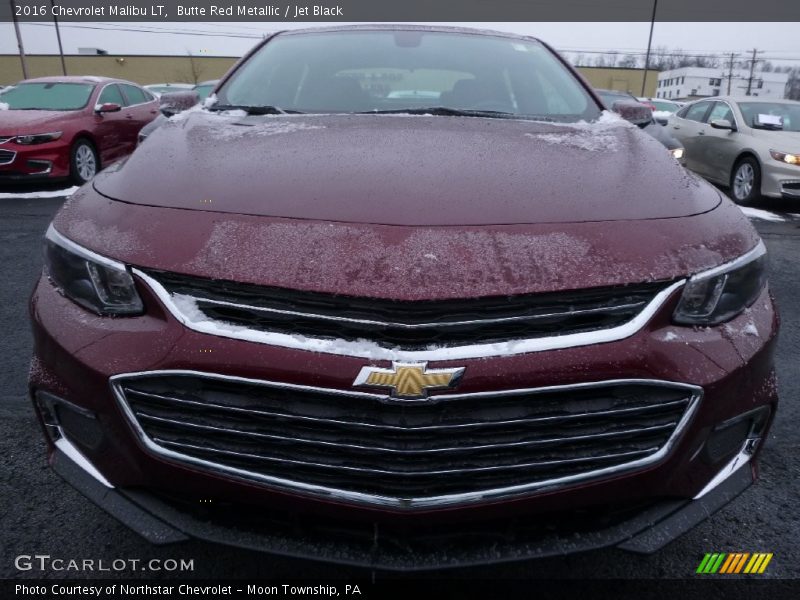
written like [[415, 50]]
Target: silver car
[[750, 144]]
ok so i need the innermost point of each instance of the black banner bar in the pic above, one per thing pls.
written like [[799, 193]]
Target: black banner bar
[[707, 588], [403, 10]]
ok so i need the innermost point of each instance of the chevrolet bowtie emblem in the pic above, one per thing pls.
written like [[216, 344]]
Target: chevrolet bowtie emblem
[[410, 381]]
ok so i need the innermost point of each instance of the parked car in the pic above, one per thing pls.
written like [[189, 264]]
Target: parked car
[[59, 127], [646, 121], [750, 144], [162, 88], [205, 88], [662, 109], [318, 320]]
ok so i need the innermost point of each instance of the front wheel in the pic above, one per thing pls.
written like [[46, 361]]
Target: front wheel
[[746, 181], [83, 162]]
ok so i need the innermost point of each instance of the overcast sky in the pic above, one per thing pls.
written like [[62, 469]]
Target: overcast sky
[[777, 40]]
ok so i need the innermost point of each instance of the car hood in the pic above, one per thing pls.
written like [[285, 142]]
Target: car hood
[[19, 122], [407, 170], [783, 141]]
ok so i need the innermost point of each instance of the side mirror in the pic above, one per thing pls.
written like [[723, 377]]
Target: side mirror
[[173, 103], [722, 124], [108, 107], [635, 112]]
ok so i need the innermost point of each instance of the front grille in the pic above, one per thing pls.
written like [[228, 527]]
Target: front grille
[[7, 157], [369, 448], [402, 324]]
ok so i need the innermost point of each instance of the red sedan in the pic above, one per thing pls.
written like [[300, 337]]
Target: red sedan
[[404, 297], [58, 127]]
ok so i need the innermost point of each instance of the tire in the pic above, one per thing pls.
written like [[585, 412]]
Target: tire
[[83, 161], [746, 181]]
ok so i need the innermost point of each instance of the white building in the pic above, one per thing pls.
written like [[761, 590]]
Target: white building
[[688, 83]]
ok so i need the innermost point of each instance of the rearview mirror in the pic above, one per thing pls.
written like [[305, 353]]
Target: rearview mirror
[[108, 107], [721, 124], [635, 112], [173, 103]]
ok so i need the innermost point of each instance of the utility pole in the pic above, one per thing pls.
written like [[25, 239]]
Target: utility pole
[[753, 62], [729, 76], [58, 36], [649, 44], [19, 40]]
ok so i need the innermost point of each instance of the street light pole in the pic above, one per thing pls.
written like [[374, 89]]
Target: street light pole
[[19, 40], [649, 45], [58, 36]]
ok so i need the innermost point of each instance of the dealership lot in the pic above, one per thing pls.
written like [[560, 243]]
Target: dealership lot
[[45, 516]]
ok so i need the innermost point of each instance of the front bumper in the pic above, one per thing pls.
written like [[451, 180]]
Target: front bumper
[[76, 354], [779, 180], [35, 162], [645, 532]]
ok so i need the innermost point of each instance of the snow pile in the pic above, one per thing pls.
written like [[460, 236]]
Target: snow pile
[[582, 140], [596, 136], [3, 106], [210, 101], [43, 194], [764, 215], [275, 127]]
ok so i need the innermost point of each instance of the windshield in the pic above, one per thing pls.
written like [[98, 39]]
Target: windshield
[[363, 71], [665, 106], [165, 89], [47, 96], [789, 113], [204, 90], [610, 97]]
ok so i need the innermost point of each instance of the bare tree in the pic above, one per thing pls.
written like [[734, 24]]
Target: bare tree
[[193, 71], [628, 61], [793, 85]]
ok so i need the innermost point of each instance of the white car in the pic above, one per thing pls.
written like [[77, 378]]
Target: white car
[[750, 144], [662, 109]]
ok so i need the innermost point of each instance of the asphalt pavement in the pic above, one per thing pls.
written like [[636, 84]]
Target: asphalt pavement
[[40, 514]]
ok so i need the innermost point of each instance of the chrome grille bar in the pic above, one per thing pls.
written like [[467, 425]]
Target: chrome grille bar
[[453, 451]]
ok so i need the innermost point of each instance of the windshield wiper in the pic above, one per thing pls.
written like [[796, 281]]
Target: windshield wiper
[[445, 111], [255, 110]]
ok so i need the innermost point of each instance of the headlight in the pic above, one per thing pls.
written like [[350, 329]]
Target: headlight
[[677, 153], [718, 295], [38, 138], [95, 282], [792, 159]]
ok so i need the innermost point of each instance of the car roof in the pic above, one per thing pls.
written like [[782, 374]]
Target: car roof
[[760, 99], [75, 79], [398, 27]]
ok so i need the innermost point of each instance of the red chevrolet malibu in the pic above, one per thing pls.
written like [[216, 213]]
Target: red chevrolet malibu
[[404, 297], [69, 127]]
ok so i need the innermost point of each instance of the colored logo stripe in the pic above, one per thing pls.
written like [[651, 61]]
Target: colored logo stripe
[[736, 562]]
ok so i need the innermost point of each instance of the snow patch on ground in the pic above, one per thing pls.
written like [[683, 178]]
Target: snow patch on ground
[[42, 194], [3, 106], [764, 215]]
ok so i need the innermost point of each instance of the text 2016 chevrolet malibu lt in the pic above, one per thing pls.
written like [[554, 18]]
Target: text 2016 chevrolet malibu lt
[[404, 297]]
